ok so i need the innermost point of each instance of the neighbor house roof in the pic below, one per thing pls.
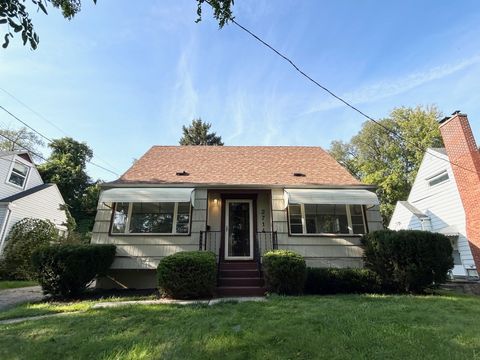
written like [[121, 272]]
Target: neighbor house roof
[[237, 165], [25, 193], [419, 214]]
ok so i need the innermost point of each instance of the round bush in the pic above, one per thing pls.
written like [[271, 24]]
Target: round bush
[[65, 270], [188, 275], [24, 238], [284, 272], [408, 260]]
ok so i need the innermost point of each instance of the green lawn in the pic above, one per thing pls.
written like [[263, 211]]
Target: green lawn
[[16, 284], [330, 327]]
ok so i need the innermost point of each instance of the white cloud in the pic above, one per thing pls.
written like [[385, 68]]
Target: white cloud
[[388, 88]]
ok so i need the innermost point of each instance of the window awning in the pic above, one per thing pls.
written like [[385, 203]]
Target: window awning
[[148, 195], [331, 196]]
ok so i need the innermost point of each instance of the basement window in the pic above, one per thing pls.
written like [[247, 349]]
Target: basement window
[[438, 178]]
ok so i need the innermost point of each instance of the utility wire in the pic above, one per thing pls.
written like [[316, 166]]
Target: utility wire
[[46, 138], [345, 102], [50, 122]]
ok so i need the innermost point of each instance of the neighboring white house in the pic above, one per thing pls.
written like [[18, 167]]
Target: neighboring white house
[[434, 204], [237, 201], [24, 195]]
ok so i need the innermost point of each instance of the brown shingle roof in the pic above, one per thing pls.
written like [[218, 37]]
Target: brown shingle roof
[[237, 165]]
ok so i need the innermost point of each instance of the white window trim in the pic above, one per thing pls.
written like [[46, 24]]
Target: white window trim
[[7, 180], [129, 217], [349, 224], [436, 176]]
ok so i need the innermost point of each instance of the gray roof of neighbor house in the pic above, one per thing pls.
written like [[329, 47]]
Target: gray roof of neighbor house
[[238, 165], [25, 193], [413, 210]]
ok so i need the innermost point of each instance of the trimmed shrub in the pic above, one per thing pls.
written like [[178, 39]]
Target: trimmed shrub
[[341, 281], [188, 275], [408, 260], [284, 272], [66, 270], [24, 238]]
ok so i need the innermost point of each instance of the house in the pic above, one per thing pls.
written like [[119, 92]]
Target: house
[[445, 195], [23, 194], [237, 201]]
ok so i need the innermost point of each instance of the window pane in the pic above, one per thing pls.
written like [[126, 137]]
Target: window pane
[[20, 168], [120, 218], [16, 179], [152, 218], [295, 213], [326, 219], [183, 217], [358, 225]]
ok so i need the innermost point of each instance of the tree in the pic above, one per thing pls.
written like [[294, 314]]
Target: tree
[[21, 139], [376, 156], [26, 236], [14, 15], [198, 134], [66, 167]]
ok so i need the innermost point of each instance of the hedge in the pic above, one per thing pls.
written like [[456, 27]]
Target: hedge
[[341, 281], [65, 270], [284, 272], [188, 275], [408, 260]]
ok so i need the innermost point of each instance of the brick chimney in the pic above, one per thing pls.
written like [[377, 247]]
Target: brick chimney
[[462, 151]]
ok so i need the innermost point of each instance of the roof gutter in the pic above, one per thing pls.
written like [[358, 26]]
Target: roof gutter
[[236, 186]]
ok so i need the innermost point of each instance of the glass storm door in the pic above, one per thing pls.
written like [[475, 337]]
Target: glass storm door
[[238, 230]]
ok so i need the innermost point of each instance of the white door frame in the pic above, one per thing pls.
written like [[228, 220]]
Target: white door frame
[[227, 226]]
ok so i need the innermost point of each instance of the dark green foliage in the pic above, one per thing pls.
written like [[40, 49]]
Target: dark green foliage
[[65, 270], [408, 260], [222, 10], [15, 14], [24, 238], [284, 272], [198, 134], [66, 167], [188, 275], [341, 281]]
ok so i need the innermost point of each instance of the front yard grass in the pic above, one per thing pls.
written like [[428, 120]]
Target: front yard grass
[[311, 327], [4, 284]]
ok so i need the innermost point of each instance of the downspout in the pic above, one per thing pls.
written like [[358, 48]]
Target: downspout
[[4, 227]]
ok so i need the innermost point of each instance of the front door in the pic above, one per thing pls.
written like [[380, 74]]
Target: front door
[[238, 229]]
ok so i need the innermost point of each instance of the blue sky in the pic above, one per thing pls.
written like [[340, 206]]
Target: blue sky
[[123, 77]]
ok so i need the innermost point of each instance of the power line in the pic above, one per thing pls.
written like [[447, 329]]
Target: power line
[[49, 141], [339, 98], [50, 122]]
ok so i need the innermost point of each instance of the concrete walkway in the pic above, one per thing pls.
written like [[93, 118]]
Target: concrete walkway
[[13, 297]]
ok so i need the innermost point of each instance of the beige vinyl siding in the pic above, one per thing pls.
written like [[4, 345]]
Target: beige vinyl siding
[[320, 251], [146, 251], [7, 189]]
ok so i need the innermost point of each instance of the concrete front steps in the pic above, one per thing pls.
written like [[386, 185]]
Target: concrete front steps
[[240, 278]]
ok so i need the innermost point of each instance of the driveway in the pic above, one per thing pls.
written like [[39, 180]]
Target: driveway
[[12, 297]]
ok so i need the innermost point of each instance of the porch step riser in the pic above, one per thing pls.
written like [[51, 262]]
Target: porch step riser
[[241, 291], [234, 282], [240, 274], [238, 266]]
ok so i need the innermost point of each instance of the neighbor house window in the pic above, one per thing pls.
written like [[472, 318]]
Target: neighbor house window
[[438, 178], [18, 175], [151, 218], [326, 219]]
